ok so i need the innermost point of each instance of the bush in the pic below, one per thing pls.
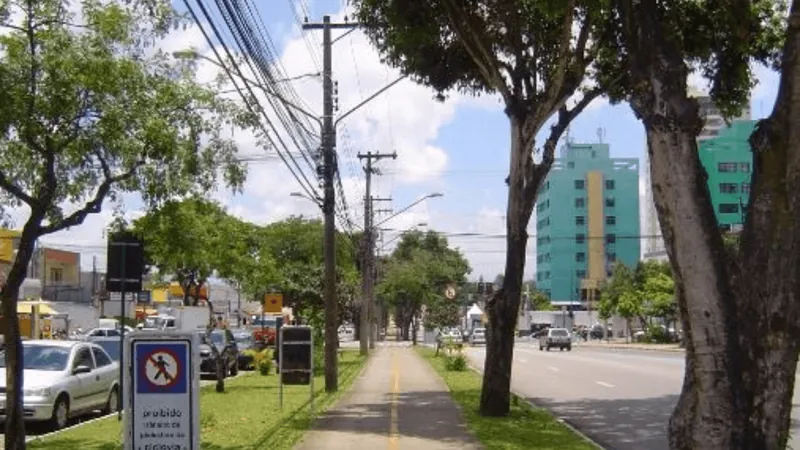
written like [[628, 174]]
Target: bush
[[657, 335], [262, 361], [457, 363], [253, 355], [453, 346]]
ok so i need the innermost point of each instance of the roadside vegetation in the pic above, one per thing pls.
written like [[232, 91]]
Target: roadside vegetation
[[246, 415], [525, 427]]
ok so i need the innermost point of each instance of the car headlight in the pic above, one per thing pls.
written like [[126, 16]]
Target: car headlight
[[36, 392]]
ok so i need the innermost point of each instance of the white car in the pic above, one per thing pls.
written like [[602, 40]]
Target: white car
[[64, 379], [478, 336]]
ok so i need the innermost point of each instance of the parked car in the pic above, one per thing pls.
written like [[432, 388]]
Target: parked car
[[64, 379], [110, 345], [225, 344], [244, 341], [556, 337], [478, 336]]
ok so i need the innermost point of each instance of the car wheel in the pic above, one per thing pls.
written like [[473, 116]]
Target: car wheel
[[569, 348], [113, 401], [561, 349], [60, 413], [541, 348], [548, 348]]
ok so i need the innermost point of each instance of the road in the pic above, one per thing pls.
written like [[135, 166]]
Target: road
[[620, 398]]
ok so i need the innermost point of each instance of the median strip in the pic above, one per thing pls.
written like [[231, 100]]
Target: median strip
[[526, 427]]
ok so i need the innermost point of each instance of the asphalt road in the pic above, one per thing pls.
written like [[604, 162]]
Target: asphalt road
[[620, 398]]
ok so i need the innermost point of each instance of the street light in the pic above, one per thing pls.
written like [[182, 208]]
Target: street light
[[431, 195]]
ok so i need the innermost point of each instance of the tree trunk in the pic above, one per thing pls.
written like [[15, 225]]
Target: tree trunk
[[740, 313], [502, 307], [15, 419]]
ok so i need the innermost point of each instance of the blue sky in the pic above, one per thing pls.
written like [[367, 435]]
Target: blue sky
[[459, 148]]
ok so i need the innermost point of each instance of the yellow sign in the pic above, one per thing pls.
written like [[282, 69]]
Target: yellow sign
[[273, 303], [7, 244]]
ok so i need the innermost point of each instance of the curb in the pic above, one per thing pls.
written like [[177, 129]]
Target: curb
[[643, 348], [560, 420]]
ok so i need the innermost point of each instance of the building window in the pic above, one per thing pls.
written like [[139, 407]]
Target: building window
[[570, 165], [580, 184], [610, 202], [580, 238], [728, 188], [745, 188], [744, 167], [580, 202], [580, 220], [580, 257], [56, 274], [611, 220], [580, 274], [728, 208], [609, 184], [611, 238], [726, 167]]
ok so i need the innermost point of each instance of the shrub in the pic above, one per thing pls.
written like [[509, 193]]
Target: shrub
[[457, 363], [253, 355], [262, 361]]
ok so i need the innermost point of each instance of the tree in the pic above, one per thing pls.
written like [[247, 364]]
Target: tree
[[738, 384], [540, 301], [535, 55], [87, 112], [417, 274], [194, 239]]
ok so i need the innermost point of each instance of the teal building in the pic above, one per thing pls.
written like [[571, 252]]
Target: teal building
[[728, 161], [587, 217]]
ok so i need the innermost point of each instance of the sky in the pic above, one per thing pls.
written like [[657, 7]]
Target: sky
[[458, 147]]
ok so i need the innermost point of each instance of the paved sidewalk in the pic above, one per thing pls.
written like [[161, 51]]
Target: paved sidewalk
[[398, 402]]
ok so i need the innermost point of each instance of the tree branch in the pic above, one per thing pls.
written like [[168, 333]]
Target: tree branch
[[17, 191], [94, 205], [537, 172], [474, 40]]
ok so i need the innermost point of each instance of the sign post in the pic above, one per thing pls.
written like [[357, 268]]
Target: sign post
[[296, 362], [161, 391]]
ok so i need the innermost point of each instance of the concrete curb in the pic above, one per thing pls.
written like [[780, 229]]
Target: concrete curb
[[561, 420], [629, 347]]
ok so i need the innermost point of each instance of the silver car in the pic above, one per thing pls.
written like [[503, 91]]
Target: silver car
[[478, 336], [64, 379]]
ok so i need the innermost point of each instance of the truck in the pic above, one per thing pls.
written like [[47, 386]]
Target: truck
[[183, 318]]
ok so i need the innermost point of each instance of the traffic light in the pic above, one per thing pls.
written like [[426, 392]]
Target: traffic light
[[481, 287]]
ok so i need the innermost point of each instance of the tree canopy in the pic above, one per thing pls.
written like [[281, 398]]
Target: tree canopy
[[417, 273]]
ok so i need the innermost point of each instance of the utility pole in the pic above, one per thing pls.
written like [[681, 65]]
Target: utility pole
[[365, 332], [329, 201]]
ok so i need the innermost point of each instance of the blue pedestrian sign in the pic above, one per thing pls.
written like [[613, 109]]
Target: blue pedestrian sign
[[162, 368], [161, 391]]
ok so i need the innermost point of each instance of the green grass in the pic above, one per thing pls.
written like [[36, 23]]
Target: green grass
[[245, 417], [525, 427]]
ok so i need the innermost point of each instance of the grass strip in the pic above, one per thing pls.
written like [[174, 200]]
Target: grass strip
[[246, 416], [525, 427]]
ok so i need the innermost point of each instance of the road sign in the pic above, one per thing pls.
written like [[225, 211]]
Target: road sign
[[162, 384], [450, 292], [124, 263], [296, 365], [273, 303]]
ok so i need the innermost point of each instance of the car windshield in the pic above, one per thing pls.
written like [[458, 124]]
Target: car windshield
[[111, 347], [42, 357], [561, 332], [243, 339]]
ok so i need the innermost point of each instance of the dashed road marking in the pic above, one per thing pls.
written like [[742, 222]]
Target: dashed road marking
[[604, 384]]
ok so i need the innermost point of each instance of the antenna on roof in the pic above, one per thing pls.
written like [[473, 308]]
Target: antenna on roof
[[601, 133]]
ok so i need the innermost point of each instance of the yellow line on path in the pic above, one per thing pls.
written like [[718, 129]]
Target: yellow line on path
[[394, 434]]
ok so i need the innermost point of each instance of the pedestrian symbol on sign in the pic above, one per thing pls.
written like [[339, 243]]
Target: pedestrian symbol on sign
[[161, 369]]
